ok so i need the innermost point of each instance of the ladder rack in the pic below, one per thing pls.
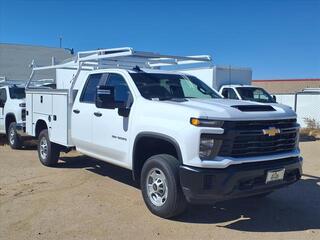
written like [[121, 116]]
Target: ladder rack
[[124, 57]]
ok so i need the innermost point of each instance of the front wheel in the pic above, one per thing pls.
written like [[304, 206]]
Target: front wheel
[[160, 186], [48, 152], [13, 137]]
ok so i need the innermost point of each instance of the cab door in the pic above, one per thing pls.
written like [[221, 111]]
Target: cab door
[[3, 99], [82, 114], [110, 130]]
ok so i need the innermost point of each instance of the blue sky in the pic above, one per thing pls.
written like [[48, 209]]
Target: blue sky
[[276, 38]]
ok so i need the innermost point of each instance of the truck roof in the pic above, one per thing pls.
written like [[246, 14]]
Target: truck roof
[[239, 85]]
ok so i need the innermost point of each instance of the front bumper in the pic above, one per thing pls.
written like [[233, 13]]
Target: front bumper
[[203, 185]]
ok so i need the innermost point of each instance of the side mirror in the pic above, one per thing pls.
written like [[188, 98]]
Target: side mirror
[[105, 97], [274, 98]]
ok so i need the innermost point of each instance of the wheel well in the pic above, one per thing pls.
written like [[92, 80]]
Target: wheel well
[[10, 118], [149, 145], [41, 125]]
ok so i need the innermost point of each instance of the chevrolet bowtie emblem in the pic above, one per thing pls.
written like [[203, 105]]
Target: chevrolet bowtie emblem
[[271, 131]]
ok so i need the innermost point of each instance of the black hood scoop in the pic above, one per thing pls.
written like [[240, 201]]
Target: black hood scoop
[[254, 108]]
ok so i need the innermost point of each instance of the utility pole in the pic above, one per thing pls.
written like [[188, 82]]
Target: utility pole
[[60, 41], [229, 74]]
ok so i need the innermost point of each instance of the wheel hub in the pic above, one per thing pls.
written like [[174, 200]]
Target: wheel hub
[[11, 136], [43, 148], [157, 187]]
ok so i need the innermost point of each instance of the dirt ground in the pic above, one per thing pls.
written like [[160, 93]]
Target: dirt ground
[[86, 198]]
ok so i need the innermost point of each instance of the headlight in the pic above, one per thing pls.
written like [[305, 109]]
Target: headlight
[[205, 122], [209, 147]]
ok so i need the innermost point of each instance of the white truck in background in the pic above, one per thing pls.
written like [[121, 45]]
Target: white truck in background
[[219, 76], [247, 92], [181, 140], [13, 112], [232, 83]]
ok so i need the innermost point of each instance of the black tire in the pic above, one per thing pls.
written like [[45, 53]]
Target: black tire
[[14, 139], [175, 202], [50, 156]]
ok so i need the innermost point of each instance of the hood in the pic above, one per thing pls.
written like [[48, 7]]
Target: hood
[[226, 109]]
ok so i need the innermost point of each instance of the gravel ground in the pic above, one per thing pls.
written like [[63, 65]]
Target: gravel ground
[[86, 198]]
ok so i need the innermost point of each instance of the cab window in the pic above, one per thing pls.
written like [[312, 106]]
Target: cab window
[[17, 93], [89, 91], [255, 94], [3, 96], [229, 93], [121, 89]]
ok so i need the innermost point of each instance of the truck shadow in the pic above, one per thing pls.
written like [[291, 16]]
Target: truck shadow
[[28, 145], [294, 208], [99, 167], [3, 140]]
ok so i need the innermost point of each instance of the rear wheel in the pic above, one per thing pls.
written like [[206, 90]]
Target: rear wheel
[[48, 152], [160, 186], [13, 137]]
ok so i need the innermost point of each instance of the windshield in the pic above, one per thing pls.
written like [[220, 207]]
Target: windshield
[[157, 86], [17, 93], [255, 94]]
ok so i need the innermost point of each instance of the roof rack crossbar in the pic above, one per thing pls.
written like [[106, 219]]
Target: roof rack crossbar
[[126, 56]]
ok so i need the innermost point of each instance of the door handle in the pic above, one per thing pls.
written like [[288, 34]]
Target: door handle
[[76, 111], [98, 114]]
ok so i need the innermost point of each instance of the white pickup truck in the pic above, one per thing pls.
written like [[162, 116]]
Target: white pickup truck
[[12, 114], [182, 141], [247, 92], [232, 83]]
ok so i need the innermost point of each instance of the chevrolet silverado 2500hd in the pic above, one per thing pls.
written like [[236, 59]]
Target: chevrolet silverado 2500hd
[[12, 113], [182, 141]]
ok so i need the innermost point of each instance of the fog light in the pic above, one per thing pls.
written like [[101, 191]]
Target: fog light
[[209, 146], [206, 148]]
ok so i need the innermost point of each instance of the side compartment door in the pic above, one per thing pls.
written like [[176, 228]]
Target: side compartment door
[[82, 114], [29, 114], [59, 119], [110, 130], [3, 99]]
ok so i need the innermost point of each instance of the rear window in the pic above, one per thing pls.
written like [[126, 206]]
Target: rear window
[[17, 93]]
